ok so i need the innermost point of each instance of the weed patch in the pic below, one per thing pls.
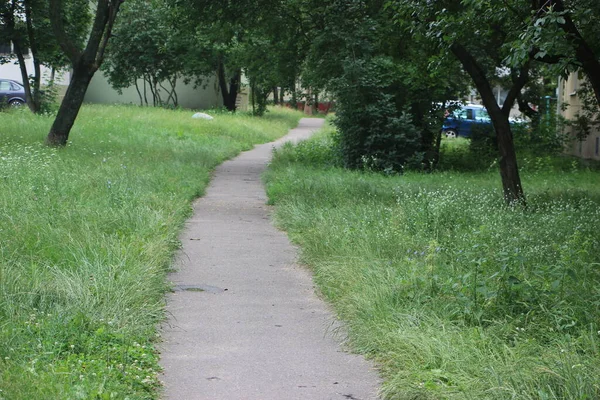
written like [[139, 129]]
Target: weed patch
[[454, 294]]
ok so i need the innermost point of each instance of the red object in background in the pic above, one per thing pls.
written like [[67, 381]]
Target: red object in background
[[322, 108]]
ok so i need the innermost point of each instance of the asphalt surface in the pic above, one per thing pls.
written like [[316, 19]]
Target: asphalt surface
[[245, 322]]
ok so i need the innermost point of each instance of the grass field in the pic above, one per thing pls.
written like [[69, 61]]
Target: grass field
[[87, 235], [455, 295]]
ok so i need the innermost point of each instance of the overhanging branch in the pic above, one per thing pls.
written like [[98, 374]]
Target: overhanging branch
[[58, 27]]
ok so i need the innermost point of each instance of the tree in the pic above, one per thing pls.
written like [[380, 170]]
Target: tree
[[387, 95], [147, 45], [565, 33], [258, 38], [85, 61], [449, 26]]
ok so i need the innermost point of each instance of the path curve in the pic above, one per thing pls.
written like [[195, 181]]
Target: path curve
[[245, 322]]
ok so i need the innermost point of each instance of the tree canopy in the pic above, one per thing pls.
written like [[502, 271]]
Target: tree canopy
[[392, 65]]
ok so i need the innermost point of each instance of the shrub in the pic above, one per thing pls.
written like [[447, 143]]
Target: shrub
[[373, 133]]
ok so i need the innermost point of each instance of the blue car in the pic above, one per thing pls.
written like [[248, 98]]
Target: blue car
[[460, 121], [11, 92]]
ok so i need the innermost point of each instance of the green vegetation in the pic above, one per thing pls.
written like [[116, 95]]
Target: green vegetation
[[87, 234], [453, 293]]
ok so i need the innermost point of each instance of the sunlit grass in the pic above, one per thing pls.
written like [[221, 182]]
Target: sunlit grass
[[455, 295], [86, 239]]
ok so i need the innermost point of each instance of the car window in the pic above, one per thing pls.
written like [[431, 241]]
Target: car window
[[461, 114], [470, 113], [483, 114], [14, 86], [4, 86]]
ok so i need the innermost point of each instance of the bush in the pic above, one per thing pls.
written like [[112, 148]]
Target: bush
[[373, 133], [483, 141]]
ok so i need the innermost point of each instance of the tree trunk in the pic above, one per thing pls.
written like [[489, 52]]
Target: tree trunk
[[37, 72], [229, 89], [31, 94], [137, 88], [294, 99], [275, 95], [69, 108], [509, 171], [234, 88], [308, 110]]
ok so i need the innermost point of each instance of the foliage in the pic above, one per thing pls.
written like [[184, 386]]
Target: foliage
[[386, 90], [373, 134], [78, 316], [257, 38], [452, 293], [563, 34], [321, 151], [147, 46]]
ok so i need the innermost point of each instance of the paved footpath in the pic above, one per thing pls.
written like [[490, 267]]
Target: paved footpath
[[245, 322]]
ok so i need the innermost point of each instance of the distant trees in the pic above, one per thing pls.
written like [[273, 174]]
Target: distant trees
[[147, 45], [391, 64], [258, 39]]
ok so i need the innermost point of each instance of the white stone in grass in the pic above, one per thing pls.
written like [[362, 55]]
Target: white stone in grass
[[202, 116]]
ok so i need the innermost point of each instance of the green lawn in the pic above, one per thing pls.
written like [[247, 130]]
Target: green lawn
[[453, 294], [87, 235]]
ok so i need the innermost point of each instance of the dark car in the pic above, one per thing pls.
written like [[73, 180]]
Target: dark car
[[460, 121], [11, 92]]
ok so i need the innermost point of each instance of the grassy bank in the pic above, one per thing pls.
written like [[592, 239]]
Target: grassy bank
[[86, 239], [455, 295]]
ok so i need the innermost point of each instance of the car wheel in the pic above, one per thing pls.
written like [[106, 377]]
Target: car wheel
[[16, 103], [451, 134]]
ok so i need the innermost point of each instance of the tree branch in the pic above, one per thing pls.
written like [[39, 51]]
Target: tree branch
[[96, 34], [58, 27], [515, 90], [472, 67], [113, 11]]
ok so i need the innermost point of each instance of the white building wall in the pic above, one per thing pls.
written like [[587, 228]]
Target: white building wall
[[12, 71], [207, 96]]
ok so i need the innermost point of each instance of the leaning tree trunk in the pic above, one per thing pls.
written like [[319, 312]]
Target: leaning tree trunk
[[69, 108], [509, 171], [85, 62]]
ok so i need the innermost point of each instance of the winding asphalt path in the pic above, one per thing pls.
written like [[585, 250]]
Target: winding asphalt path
[[245, 322]]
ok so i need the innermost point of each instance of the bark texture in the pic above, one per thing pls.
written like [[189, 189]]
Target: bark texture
[[229, 87], [85, 63], [70, 106], [509, 170]]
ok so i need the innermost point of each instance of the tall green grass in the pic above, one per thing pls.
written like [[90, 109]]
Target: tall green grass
[[455, 295], [86, 239]]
